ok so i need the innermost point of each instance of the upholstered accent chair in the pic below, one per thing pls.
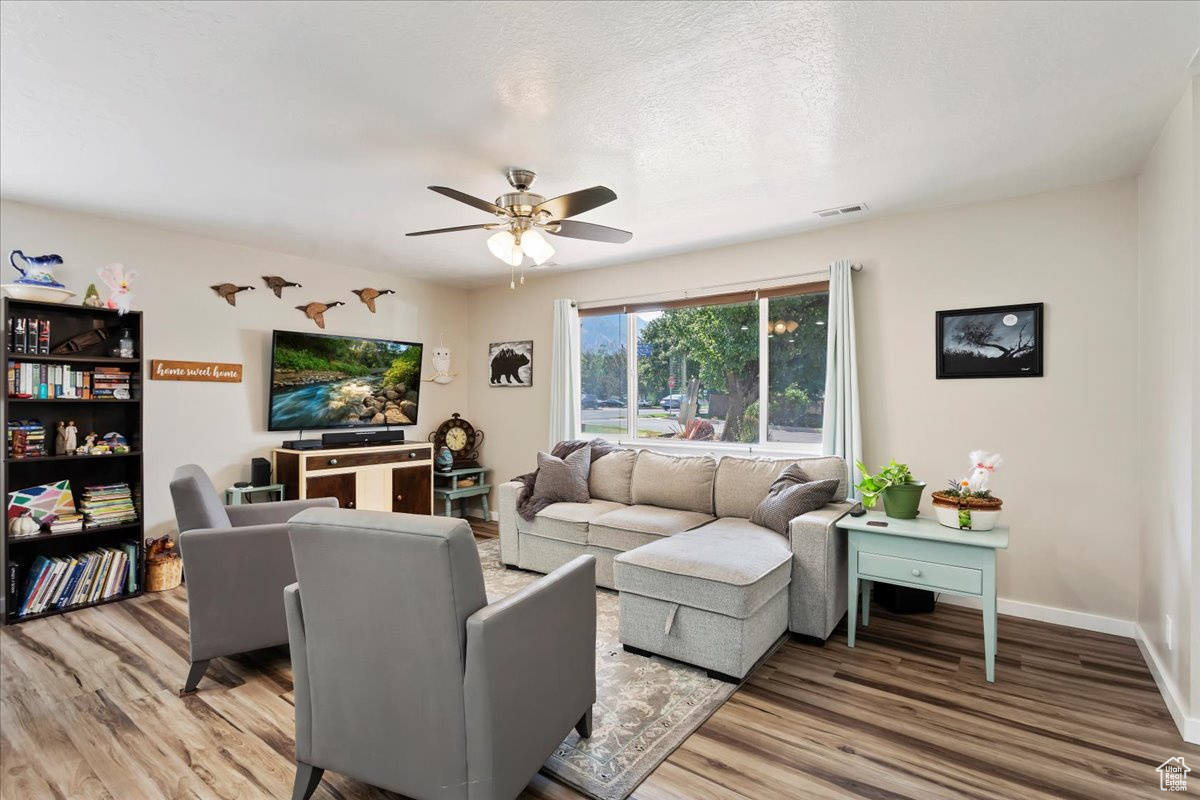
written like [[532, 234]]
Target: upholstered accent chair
[[406, 678], [237, 559]]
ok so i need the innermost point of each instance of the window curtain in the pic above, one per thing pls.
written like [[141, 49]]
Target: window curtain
[[564, 373], [841, 433]]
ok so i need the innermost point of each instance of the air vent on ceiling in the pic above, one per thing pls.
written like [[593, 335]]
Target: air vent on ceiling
[[838, 211]]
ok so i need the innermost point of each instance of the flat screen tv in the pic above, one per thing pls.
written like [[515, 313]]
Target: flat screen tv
[[324, 381]]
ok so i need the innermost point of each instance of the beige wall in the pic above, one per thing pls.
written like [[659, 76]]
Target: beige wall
[[1168, 402], [218, 425], [1069, 438]]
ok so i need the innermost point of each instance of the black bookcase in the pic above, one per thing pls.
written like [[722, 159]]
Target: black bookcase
[[98, 415]]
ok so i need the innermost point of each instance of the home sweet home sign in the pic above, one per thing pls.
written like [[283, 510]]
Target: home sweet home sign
[[161, 370]]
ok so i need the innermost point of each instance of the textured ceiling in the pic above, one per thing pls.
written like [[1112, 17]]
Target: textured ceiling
[[313, 128]]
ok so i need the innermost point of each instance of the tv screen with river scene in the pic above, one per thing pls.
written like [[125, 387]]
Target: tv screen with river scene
[[322, 381]]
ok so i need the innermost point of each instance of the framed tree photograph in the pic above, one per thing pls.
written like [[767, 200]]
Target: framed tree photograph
[[993, 342], [511, 363]]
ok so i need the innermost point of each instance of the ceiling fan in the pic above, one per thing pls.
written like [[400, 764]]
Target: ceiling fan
[[523, 216]]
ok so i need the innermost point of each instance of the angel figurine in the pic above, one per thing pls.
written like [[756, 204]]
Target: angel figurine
[[69, 434], [983, 464], [117, 279]]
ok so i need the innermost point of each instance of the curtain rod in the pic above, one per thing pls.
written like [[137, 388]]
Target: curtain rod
[[701, 291]]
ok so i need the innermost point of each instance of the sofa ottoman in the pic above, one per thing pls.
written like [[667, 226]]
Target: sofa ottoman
[[715, 597]]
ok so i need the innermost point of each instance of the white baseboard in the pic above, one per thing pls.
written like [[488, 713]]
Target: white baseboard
[[1055, 616], [1189, 727]]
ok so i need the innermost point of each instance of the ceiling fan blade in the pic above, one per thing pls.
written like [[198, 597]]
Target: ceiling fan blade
[[586, 230], [450, 230], [463, 197], [570, 205]]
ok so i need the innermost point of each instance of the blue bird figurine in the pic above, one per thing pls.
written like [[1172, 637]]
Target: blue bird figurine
[[36, 271]]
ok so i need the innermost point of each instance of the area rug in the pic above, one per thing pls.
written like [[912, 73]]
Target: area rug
[[645, 707]]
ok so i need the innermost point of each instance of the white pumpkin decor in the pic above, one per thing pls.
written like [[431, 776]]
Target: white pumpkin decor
[[24, 525]]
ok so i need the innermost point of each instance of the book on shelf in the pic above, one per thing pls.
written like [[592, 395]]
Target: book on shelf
[[56, 382], [29, 335], [67, 523], [64, 581], [108, 504], [26, 438]]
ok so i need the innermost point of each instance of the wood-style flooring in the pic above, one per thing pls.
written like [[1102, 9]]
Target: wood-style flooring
[[88, 709]]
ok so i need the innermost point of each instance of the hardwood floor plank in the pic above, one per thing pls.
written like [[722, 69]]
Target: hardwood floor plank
[[89, 710]]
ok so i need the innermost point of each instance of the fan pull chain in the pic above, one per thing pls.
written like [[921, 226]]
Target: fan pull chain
[[512, 272], [522, 273]]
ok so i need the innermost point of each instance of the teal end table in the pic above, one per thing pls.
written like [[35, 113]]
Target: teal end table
[[445, 486], [922, 554], [238, 495]]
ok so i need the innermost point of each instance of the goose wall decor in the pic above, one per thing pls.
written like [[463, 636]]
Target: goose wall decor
[[229, 291], [316, 311], [368, 296], [277, 284]]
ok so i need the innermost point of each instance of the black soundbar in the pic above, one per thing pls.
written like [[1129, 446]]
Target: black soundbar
[[351, 438], [346, 439]]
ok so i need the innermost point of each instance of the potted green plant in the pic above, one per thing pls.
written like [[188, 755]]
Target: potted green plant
[[894, 483]]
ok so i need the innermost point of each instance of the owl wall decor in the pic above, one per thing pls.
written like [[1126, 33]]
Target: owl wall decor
[[441, 366]]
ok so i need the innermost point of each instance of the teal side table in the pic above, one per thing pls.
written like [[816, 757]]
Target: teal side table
[[445, 487], [237, 495], [922, 554]]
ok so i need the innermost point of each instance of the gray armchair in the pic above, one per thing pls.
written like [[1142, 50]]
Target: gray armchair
[[405, 677], [237, 560]]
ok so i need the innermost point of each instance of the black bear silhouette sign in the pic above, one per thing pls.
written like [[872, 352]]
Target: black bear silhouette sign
[[506, 367]]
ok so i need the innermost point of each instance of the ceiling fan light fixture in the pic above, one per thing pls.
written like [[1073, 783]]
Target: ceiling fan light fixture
[[504, 247], [534, 245]]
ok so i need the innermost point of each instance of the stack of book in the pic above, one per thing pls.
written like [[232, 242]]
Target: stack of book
[[109, 504], [66, 523], [90, 577], [51, 381], [110, 382], [32, 441], [27, 335]]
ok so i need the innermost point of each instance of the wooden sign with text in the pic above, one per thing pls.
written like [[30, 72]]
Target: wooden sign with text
[[195, 371]]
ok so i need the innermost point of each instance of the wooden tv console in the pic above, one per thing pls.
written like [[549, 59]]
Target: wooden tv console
[[388, 478]]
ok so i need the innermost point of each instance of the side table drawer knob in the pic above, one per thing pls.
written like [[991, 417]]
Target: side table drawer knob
[[333, 462], [916, 573]]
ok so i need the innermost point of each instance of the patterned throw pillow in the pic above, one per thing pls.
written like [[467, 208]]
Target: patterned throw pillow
[[563, 480], [790, 495]]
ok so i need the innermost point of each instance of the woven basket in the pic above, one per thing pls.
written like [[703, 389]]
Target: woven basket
[[163, 573]]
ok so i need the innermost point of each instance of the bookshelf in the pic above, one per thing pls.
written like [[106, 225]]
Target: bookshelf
[[100, 415]]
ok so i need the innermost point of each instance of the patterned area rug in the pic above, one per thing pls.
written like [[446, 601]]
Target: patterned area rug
[[645, 707]]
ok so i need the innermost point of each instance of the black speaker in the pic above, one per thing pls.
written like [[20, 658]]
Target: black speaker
[[260, 472], [903, 600], [353, 438]]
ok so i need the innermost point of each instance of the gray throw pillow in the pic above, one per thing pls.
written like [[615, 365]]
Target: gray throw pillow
[[563, 480], [790, 495]]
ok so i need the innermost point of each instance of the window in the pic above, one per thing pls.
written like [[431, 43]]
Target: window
[[796, 374], [604, 374], [697, 368], [706, 355]]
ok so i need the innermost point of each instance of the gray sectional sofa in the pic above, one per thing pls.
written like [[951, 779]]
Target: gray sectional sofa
[[698, 581]]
